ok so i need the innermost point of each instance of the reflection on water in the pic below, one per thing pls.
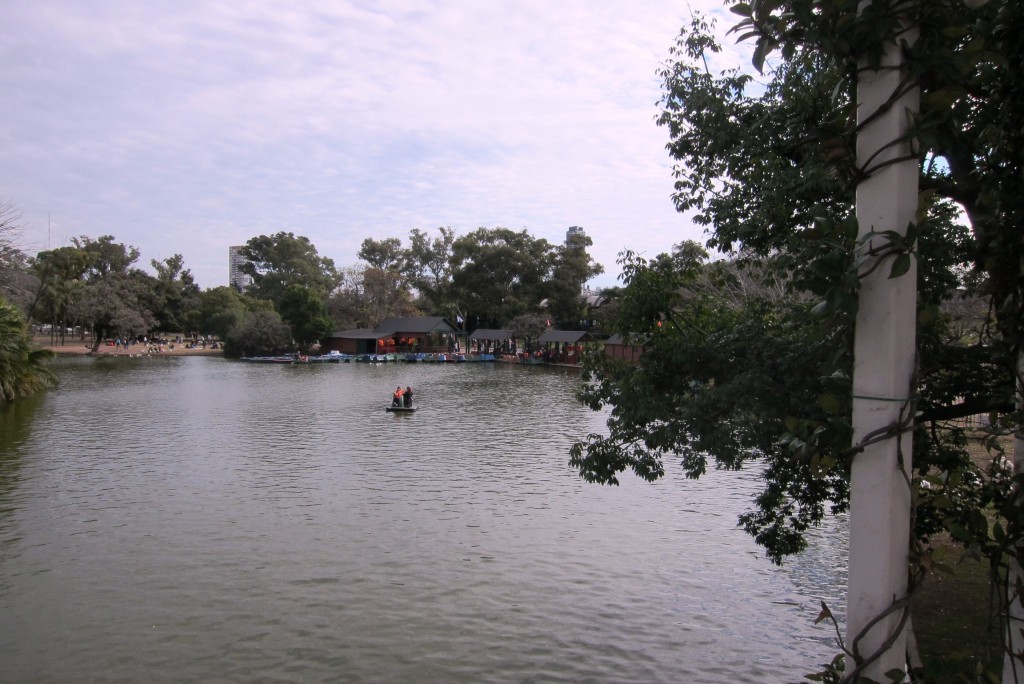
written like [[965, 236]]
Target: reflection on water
[[195, 519]]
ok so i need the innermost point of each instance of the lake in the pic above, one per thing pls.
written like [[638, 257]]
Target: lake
[[204, 520]]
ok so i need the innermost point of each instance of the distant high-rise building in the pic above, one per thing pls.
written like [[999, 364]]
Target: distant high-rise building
[[573, 232], [236, 278]]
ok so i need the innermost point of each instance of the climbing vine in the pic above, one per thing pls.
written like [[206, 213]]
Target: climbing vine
[[767, 163]]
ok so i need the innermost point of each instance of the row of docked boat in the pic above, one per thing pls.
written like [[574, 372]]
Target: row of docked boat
[[439, 358], [337, 357], [298, 358]]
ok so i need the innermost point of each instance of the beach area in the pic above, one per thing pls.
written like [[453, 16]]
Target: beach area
[[84, 348]]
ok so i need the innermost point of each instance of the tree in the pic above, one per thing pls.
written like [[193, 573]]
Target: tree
[[385, 295], [106, 257], [220, 309], [114, 305], [385, 254], [59, 272], [22, 369], [260, 333], [428, 267], [573, 267], [16, 280], [305, 313], [772, 174], [427, 261], [115, 299], [175, 293], [283, 259], [369, 295], [528, 328], [499, 274], [346, 305]]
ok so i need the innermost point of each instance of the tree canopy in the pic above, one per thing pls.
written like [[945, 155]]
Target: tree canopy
[[767, 163], [16, 281], [306, 314], [571, 270], [485, 278], [174, 293], [499, 274], [283, 259], [429, 269], [260, 332], [22, 368], [115, 298]]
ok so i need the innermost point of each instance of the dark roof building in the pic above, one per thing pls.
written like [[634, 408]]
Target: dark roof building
[[617, 347], [417, 324], [409, 334], [565, 337]]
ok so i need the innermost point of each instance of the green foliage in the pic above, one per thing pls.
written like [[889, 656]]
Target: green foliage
[[115, 306], [283, 259], [60, 273], [260, 333], [22, 369], [114, 298], [174, 294], [499, 274], [429, 269], [222, 308], [383, 254], [720, 379], [730, 374], [94, 283], [369, 295], [756, 168], [305, 313], [527, 327], [572, 268], [105, 257], [487, 278]]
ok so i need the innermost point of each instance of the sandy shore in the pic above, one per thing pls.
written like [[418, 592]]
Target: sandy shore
[[80, 348]]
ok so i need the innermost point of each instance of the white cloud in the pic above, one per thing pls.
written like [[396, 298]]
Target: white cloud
[[187, 127]]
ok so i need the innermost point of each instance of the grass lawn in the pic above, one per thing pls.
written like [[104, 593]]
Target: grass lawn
[[954, 621]]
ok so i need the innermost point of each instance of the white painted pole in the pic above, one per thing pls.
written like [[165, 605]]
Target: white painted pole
[[884, 348]]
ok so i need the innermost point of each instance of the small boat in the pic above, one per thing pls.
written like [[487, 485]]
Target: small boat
[[332, 357], [399, 409]]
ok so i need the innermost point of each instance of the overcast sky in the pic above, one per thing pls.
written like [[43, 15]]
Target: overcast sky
[[185, 127]]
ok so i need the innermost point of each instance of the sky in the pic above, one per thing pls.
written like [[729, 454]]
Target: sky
[[185, 127]]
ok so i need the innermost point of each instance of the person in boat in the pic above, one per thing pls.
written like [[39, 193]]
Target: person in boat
[[396, 399], [407, 397]]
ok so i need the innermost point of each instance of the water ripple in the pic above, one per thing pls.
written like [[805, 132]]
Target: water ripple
[[202, 520]]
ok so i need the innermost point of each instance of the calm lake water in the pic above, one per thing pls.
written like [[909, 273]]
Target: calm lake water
[[202, 520]]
